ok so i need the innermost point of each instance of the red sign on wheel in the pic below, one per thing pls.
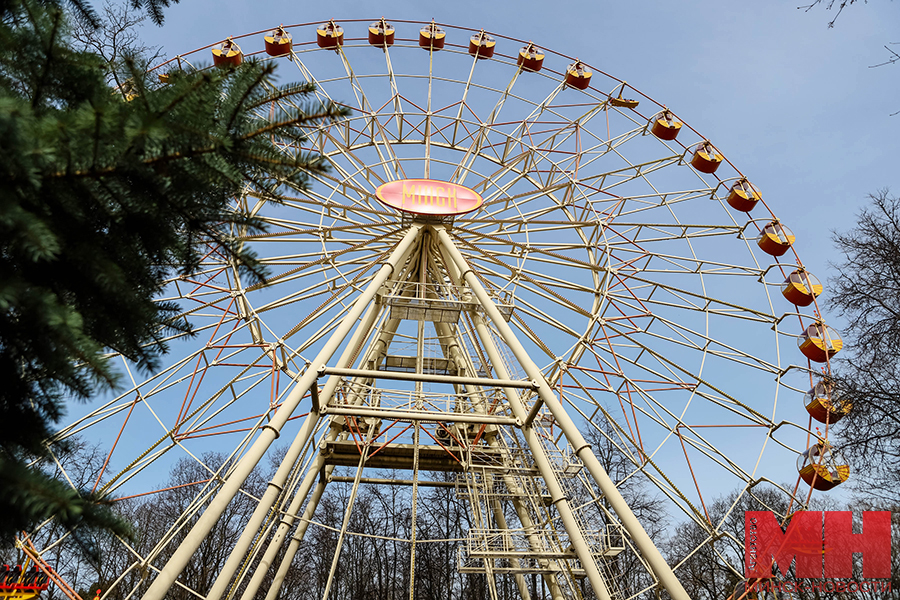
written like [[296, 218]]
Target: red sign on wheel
[[429, 197]]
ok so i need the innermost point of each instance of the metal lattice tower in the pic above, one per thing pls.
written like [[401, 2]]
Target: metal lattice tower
[[606, 288]]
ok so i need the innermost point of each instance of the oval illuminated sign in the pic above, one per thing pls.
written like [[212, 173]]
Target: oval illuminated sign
[[429, 197]]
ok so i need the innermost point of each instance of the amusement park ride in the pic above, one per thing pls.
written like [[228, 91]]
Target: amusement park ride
[[22, 582], [506, 259], [31, 576]]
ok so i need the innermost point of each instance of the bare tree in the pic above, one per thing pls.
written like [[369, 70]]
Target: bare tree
[[115, 36], [626, 568], [83, 556], [113, 557], [867, 293], [714, 571], [840, 5]]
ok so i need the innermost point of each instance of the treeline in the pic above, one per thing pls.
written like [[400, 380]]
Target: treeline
[[375, 559], [374, 562]]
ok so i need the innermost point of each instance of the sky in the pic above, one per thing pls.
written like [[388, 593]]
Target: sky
[[791, 102]]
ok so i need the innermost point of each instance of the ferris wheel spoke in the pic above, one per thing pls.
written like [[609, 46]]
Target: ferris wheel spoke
[[709, 345], [681, 232], [715, 455], [587, 156], [626, 175], [543, 106], [677, 425], [621, 177], [525, 247], [347, 219], [319, 90], [719, 457], [190, 378], [520, 277], [502, 206], [320, 200], [722, 399], [327, 285], [201, 421], [699, 302], [595, 240], [374, 124], [589, 111], [344, 150], [153, 453], [395, 93], [542, 278], [354, 250], [462, 103], [559, 124], [631, 401], [483, 134], [338, 298], [663, 483], [362, 103], [612, 371], [532, 311], [510, 166], [326, 208], [627, 255], [307, 232], [296, 271], [533, 211]]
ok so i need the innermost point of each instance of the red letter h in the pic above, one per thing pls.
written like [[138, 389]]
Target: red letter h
[[874, 543]]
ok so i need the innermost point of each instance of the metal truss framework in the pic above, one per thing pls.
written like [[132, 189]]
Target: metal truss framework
[[604, 290]]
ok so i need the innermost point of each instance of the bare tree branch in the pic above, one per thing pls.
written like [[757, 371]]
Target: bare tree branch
[[829, 5], [867, 294], [115, 36]]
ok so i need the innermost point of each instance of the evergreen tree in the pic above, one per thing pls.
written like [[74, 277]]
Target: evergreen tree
[[102, 197]]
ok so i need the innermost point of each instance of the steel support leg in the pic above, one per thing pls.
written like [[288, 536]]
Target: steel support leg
[[557, 496], [375, 353], [272, 430], [582, 449], [297, 538], [459, 358], [276, 484], [520, 578]]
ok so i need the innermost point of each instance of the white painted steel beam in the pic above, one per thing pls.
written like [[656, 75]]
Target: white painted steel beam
[[582, 449], [272, 430], [422, 377]]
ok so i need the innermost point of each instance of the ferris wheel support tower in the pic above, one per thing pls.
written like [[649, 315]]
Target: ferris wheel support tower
[[601, 278], [393, 268]]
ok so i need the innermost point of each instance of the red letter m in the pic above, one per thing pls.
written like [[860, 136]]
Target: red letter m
[[765, 543]]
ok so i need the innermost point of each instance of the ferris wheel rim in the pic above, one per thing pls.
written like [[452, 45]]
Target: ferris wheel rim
[[380, 223]]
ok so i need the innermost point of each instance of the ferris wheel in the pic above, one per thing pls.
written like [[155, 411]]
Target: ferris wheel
[[513, 262]]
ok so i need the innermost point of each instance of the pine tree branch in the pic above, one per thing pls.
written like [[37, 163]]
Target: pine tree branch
[[261, 76], [329, 114], [285, 92], [37, 94]]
